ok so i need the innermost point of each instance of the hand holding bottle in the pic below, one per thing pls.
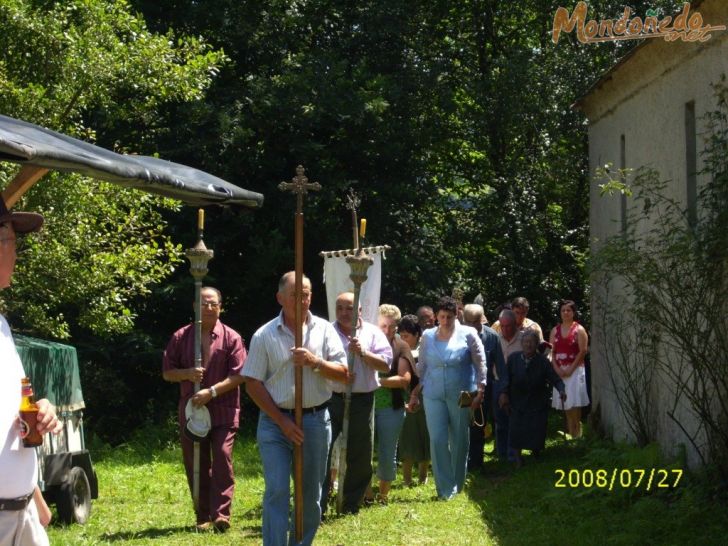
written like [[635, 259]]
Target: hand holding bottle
[[36, 418]]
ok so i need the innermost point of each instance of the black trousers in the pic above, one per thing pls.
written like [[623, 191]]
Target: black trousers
[[477, 433], [358, 450]]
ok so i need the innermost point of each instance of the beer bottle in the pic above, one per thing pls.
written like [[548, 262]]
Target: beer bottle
[[29, 416]]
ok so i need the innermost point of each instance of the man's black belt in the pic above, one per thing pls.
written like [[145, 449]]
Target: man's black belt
[[354, 394], [15, 504], [314, 409]]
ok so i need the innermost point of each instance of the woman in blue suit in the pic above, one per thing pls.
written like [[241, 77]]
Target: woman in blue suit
[[452, 361]]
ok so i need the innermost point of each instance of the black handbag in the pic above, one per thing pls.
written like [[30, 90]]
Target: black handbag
[[465, 401], [466, 398]]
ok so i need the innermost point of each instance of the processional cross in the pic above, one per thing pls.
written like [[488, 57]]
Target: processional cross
[[359, 260], [299, 185], [359, 263]]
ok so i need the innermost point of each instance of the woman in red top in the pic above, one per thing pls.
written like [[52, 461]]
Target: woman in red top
[[570, 344]]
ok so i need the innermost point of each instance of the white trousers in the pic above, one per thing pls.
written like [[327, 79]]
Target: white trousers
[[22, 527]]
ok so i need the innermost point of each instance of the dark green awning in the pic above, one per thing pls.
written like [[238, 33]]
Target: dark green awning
[[53, 371]]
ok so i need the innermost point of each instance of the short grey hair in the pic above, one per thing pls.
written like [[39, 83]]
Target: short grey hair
[[286, 278], [507, 313], [474, 310], [390, 311], [530, 333]]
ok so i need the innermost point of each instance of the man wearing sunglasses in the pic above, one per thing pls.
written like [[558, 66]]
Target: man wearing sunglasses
[[223, 355]]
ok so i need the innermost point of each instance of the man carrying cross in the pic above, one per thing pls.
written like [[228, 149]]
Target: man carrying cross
[[269, 373]]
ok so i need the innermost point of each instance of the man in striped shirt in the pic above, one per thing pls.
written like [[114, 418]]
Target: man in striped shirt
[[269, 376]]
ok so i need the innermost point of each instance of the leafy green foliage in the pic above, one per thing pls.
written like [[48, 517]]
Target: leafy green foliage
[[88, 271], [453, 121], [79, 67]]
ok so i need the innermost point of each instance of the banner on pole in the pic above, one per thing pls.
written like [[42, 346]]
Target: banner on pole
[[337, 280]]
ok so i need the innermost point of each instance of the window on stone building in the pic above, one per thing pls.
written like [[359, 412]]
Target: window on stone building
[[691, 163], [623, 196]]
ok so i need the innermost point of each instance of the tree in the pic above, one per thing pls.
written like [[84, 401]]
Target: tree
[[90, 68], [454, 119]]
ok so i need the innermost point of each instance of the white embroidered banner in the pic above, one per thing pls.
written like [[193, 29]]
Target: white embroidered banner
[[337, 280]]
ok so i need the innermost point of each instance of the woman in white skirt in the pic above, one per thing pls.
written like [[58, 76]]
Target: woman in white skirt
[[570, 344]]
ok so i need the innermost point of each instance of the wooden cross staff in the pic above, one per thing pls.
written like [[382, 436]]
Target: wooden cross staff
[[299, 185]]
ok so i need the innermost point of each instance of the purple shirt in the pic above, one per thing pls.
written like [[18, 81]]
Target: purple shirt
[[227, 355], [372, 340]]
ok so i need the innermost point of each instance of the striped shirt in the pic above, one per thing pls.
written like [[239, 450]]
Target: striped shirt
[[372, 340], [227, 356], [270, 360]]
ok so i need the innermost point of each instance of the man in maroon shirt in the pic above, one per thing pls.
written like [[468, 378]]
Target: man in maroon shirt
[[223, 355]]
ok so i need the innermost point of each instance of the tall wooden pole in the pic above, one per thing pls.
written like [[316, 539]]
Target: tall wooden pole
[[299, 185], [198, 256], [352, 202]]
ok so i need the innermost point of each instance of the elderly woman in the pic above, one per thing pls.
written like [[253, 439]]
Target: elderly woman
[[389, 399], [452, 373], [570, 344], [525, 391], [414, 442]]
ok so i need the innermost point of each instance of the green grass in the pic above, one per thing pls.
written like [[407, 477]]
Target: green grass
[[143, 499]]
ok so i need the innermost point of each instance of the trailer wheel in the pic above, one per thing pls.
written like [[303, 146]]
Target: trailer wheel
[[74, 497]]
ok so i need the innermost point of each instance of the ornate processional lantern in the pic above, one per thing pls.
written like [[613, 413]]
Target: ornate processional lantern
[[199, 256]]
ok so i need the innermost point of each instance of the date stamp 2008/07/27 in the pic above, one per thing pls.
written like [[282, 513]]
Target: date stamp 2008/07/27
[[623, 478]]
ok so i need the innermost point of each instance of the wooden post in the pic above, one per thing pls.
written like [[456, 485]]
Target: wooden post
[[298, 185], [26, 177]]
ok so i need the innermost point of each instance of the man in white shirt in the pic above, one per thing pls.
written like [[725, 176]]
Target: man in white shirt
[[19, 523], [372, 354], [269, 376]]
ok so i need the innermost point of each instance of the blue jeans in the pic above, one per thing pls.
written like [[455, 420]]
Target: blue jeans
[[276, 453], [389, 423], [448, 425]]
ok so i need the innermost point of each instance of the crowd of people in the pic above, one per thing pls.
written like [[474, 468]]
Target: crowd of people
[[424, 390], [427, 387], [416, 383]]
